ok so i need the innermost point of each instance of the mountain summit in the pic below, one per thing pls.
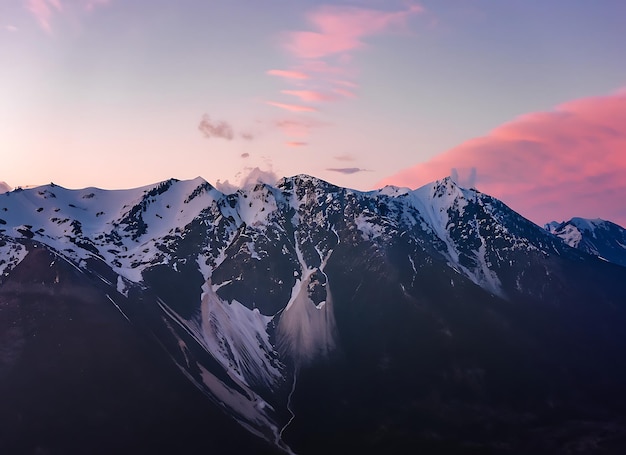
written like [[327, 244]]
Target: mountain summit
[[324, 319]]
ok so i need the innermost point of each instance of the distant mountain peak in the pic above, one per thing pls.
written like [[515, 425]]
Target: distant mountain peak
[[597, 237]]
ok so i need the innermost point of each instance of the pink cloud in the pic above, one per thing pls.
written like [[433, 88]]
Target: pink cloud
[[309, 95], [339, 29], [296, 144], [292, 107], [567, 162], [43, 10], [323, 63], [288, 74]]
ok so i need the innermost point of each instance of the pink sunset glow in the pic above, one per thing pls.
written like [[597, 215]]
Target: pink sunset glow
[[322, 56], [288, 74], [352, 91], [292, 107], [340, 29], [309, 95], [547, 164]]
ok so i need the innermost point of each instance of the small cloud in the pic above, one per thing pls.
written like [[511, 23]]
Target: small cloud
[[256, 175], [10, 28], [226, 187], [288, 74], [292, 107], [247, 136], [454, 175], [296, 144], [217, 129], [309, 95], [347, 170], [245, 155], [344, 157], [251, 177]]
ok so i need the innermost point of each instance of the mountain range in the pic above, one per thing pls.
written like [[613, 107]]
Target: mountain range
[[320, 319]]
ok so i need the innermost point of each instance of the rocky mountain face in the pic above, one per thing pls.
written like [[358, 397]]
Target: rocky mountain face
[[319, 318], [597, 237]]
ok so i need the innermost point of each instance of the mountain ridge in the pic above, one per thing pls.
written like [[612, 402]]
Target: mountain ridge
[[253, 294]]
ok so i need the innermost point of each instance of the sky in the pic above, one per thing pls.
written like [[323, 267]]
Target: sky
[[523, 100]]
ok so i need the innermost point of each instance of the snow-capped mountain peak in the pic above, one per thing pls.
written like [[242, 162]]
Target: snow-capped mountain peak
[[597, 237]]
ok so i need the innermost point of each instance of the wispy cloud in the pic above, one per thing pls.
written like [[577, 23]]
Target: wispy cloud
[[566, 162], [288, 74], [347, 170], [309, 95], [45, 11], [296, 144], [342, 29], [292, 107], [215, 129], [322, 56], [10, 28]]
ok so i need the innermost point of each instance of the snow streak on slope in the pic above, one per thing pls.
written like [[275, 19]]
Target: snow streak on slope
[[226, 386], [238, 338], [11, 254], [306, 330]]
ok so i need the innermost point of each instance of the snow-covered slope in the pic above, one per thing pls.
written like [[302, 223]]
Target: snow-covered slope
[[4, 187], [598, 237], [244, 286]]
